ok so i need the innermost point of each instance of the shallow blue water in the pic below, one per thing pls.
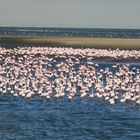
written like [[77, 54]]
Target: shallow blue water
[[87, 32], [89, 119]]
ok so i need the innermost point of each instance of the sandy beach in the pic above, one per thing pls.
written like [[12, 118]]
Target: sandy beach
[[75, 42]]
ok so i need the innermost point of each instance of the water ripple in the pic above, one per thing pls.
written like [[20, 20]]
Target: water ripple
[[85, 119]]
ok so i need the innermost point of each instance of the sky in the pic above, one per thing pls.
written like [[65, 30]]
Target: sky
[[71, 13]]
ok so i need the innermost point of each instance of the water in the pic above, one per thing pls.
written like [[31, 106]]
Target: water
[[80, 119], [87, 119], [78, 32], [86, 32]]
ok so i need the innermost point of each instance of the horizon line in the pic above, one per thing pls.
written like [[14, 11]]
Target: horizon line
[[68, 27]]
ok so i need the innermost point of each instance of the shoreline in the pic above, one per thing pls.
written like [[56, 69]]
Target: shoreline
[[74, 42], [106, 44]]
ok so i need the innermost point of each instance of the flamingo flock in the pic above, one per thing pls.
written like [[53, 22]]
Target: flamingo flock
[[65, 72]]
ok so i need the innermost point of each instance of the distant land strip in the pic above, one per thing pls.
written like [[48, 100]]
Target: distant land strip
[[74, 42]]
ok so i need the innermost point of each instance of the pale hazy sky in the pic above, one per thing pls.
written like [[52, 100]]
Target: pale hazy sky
[[71, 13]]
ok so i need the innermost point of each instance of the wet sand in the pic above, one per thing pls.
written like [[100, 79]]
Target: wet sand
[[75, 42]]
